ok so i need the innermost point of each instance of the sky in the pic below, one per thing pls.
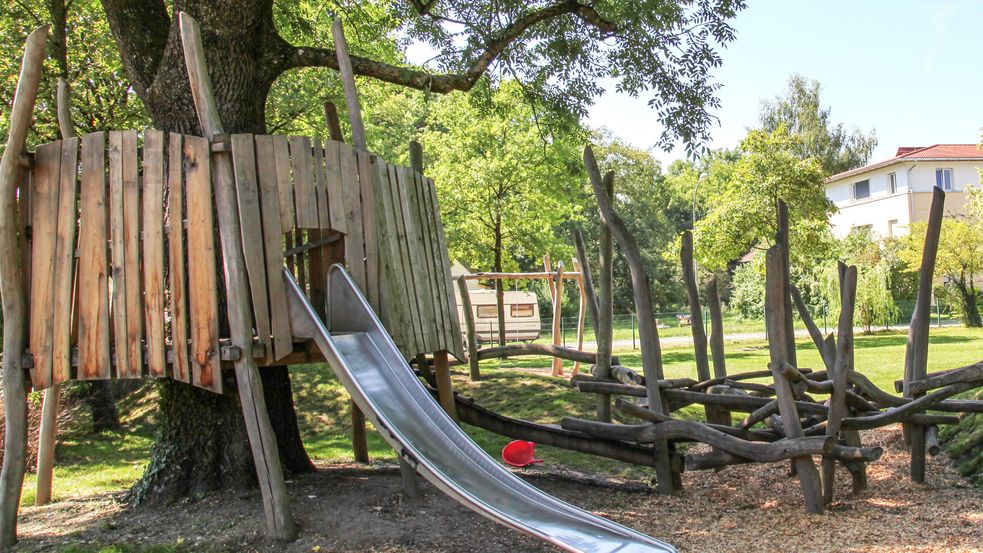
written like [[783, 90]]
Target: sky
[[907, 69]]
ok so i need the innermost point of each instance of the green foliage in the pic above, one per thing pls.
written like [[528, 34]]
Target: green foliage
[[101, 94], [743, 213], [748, 295], [663, 48], [800, 111], [959, 262], [504, 186]]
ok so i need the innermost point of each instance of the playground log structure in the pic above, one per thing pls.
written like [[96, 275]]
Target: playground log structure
[[786, 417]]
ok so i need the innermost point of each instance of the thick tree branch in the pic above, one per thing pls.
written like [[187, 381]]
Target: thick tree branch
[[449, 82]]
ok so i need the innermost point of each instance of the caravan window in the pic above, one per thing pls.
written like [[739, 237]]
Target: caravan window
[[487, 312], [523, 310]]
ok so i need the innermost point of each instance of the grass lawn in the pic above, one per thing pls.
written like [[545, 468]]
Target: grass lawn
[[87, 464]]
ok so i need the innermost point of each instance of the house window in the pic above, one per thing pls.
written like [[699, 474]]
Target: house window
[[890, 227], [487, 311], [892, 183], [943, 179], [861, 190], [862, 229], [523, 310]]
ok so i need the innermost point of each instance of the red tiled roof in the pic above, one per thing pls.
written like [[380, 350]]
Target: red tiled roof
[[936, 151]]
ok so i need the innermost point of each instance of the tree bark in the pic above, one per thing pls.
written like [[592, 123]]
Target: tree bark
[[202, 443], [499, 283]]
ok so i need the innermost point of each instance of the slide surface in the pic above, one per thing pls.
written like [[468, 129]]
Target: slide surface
[[384, 386]]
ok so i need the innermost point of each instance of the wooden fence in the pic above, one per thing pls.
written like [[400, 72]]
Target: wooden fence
[[123, 260]]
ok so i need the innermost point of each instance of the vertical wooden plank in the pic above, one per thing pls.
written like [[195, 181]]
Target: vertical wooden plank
[[251, 230], [181, 368], [201, 266], [418, 260], [335, 196], [403, 232], [429, 255], [64, 262], [44, 209], [285, 188], [273, 244], [316, 257], [320, 185], [395, 292], [452, 323], [364, 160], [354, 241], [448, 335], [153, 250], [118, 249], [302, 165], [93, 282], [131, 239]]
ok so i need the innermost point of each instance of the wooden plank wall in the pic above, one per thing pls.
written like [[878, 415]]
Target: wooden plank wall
[[146, 298], [128, 198]]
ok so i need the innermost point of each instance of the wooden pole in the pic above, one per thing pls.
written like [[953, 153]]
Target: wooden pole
[[695, 310], [13, 287], [916, 353], [586, 279], [557, 313], [468, 312], [666, 474], [360, 447], [348, 83], [52, 396], [840, 374], [716, 329], [782, 238], [604, 327], [776, 305], [262, 440], [581, 313], [445, 388]]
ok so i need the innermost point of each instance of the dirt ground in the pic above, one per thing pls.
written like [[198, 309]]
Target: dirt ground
[[741, 509]]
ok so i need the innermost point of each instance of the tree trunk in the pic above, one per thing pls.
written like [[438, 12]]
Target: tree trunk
[[499, 283], [202, 443], [968, 294]]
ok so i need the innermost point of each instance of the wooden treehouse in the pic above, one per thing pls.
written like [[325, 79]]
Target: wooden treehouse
[[128, 241]]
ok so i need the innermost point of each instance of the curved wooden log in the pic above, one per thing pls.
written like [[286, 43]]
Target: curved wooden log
[[970, 373], [932, 445], [516, 350], [795, 376], [762, 452], [695, 311], [738, 377], [471, 413], [624, 375], [640, 412], [647, 329], [761, 390], [760, 414], [902, 413], [13, 287], [840, 372], [744, 404], [584, 384]]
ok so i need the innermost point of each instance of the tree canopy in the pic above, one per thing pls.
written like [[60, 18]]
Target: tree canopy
[[801, 112], [743, 213]]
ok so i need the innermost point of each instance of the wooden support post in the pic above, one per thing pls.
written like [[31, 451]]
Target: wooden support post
[[445, 388], [840, 373], [557, 314], [605, 307], [695, 314], [717, 415], [782, 238], [468, 312], [13, 288], [586, 279], [47, 436], [916, 353], [581, 312], [360, 447], [775, 306], [279, 523], [667, 472]]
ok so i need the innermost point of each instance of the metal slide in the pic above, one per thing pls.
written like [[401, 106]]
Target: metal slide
[[384, 386]]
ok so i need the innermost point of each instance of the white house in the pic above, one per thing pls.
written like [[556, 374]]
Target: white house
[[887, 196]]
